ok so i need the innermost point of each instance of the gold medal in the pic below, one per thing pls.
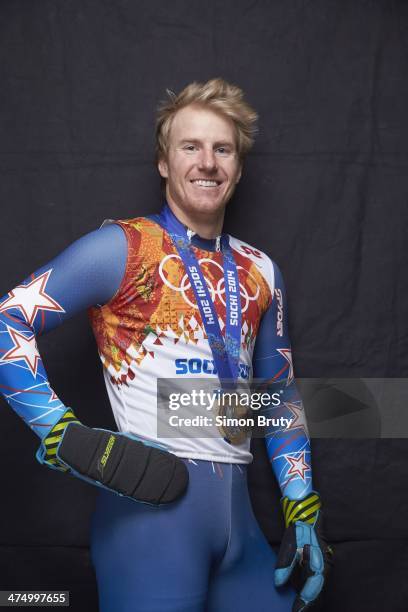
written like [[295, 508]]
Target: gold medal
[[232, 418]]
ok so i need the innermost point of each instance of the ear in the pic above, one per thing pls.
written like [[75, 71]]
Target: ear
[[163, 168], [239, 173]]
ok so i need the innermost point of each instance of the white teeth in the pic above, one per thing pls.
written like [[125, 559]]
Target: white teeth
[[203, 183]]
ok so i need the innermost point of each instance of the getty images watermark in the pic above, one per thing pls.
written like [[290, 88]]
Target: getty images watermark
[[231, 404]]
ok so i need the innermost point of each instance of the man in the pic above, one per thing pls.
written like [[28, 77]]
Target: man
[[171, 296]]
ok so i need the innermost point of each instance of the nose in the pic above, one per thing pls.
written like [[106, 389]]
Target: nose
[[207, 160]]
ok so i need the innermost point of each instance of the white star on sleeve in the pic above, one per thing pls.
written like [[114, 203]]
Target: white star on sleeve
[[298, 465], [31, 298], [299, 420], [24, 349], [287, 354]]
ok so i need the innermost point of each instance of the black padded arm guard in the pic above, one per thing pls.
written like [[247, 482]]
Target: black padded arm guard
[[120, 463]]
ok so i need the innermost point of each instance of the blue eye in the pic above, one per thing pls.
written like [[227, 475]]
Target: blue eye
[[224, 150]]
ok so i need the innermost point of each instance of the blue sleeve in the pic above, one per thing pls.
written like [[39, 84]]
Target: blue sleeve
[[287, 439], [87, 273]]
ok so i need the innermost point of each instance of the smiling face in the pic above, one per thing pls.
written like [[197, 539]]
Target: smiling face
[[202, 166]]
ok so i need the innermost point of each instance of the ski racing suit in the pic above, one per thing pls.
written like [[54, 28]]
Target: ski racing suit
[[205, 551]]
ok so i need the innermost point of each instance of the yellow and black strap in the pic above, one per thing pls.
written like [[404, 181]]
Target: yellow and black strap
[[305, 510], [54, 436]]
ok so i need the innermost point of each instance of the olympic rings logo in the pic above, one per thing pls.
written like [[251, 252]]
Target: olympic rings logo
[[217, 291]]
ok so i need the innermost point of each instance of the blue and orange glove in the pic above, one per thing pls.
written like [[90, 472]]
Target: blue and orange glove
[[121, 463], [304, 546]]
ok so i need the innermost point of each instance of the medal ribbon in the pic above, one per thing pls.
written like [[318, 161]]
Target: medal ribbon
[[225, 352]]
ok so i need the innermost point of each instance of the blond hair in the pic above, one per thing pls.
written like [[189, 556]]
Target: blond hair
[[217, 95]]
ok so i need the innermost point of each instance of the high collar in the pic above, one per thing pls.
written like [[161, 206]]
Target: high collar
[[206, 244]]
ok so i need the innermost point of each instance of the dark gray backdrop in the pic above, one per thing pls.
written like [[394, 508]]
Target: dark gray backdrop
[[324, 193]]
